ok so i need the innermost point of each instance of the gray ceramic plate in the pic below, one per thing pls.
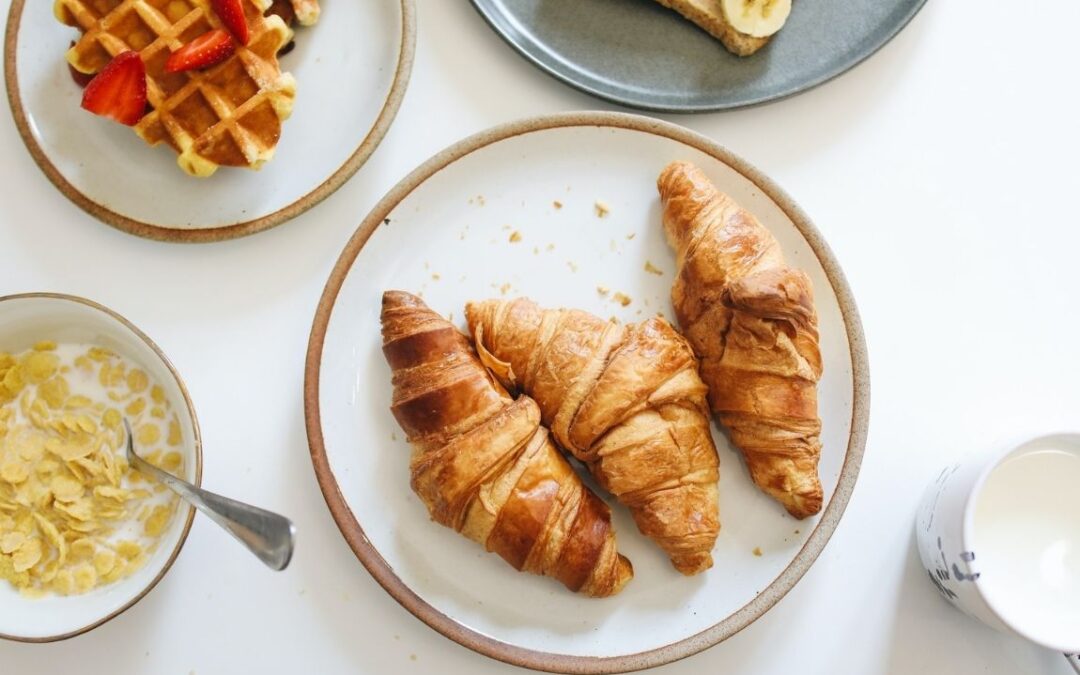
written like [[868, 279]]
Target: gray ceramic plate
[[637, 53]]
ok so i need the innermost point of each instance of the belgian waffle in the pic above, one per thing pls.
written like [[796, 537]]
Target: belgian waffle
[[227, 115]]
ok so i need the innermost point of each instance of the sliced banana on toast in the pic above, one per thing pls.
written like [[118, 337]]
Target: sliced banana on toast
[[756, 18]]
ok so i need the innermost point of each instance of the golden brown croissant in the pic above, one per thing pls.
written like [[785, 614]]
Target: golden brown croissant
[[627, 401], [752, 321], [484, 465]]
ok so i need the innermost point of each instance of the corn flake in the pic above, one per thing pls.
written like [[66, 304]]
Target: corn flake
[[69, 502]]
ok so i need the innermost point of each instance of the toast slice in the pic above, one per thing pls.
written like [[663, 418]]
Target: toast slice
[[708, 15]]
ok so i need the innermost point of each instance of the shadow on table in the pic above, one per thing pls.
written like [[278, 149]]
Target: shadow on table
[[930, 636]]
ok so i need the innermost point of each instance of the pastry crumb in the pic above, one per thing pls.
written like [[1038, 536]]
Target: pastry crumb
[[757, 551], [551, 247], [557, 204], [613, 319], [393, 436], [796, 532], [506, 227], [653, 269], [602, 208], [602, 290], [504, 289], [622, 298], [631, 235], [613, 246], [436, 276], [536, 250], [572, 265], [515, 237], [480, 200]]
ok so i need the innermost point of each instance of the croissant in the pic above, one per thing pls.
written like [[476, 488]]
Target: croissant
[[627, 401], [751, 319], [483, 464]]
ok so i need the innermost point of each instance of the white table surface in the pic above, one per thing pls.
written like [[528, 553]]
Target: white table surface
[[944, 172]]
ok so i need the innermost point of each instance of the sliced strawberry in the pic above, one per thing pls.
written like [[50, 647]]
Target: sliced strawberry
[[231, 13], [204, 51], [119, 90]]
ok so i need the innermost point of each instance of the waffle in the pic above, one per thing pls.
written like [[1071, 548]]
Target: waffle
[[227, 115]]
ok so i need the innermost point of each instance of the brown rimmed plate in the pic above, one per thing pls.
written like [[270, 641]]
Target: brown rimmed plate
[[352, 69], [29, 318], [512, 211]]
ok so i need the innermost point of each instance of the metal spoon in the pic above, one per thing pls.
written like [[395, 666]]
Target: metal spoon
[[268, 535]]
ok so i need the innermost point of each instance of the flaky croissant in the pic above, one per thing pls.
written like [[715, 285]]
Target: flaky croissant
[[627, 401], [751, 319], [483, 464]]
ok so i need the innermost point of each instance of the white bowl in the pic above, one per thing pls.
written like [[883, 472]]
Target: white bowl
[[29, 318]]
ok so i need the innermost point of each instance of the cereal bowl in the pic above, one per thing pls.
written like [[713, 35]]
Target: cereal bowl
[[82, 536]]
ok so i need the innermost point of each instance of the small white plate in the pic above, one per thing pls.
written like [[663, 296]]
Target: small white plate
[[351, 70], [445, 232], [29, 318]]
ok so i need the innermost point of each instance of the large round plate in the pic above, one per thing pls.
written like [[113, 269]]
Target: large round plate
[[351, 69], [445, 231], [637, 53]]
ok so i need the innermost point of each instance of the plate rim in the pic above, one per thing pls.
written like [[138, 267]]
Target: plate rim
[[485, 9], [384, 574], [147, 230], [197, 441]]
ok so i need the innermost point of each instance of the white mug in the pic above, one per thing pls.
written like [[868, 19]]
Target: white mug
[[1000, 539]]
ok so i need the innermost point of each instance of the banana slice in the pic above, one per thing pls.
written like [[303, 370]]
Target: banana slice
[[756, 18]]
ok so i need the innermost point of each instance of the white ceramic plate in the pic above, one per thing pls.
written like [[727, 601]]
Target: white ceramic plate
[[351, 69], [445, 232], [24, 320]]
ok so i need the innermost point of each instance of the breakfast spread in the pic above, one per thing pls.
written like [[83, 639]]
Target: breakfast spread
[[624, 399], [73, 515], [742, 26], [482, 462], [751, 319], [199, 75]]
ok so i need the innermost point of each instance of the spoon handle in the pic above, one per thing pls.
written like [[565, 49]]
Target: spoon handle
[[268, 535]]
